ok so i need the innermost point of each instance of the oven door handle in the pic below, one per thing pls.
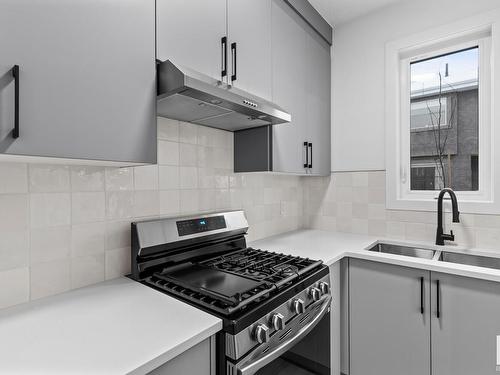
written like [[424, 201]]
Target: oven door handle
[[256, 365]]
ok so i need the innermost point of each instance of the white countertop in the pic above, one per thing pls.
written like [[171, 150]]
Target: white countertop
[[115, 327], [331, 247]]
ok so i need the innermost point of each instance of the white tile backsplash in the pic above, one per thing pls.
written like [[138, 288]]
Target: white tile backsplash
[[64, 227], [357, 201]]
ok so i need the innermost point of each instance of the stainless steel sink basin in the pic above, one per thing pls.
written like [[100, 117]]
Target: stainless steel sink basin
[[471, 260], [408, 251]]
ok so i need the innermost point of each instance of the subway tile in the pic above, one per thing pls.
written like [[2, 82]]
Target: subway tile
[[377, 228], [168, 129], [146, 203], [117, 263], [146, 177], [18, 290], [87, 239], [119, 204], [222, 199], [50, 278], [13, 178], [360, 179], [188, 155], [119, 179], [376, 180], [49, 178], [87, 270], [169, 202], [117, 234], [50, 209], [188, 133], [188, 177], [360, 210], [168, 153], [206, 199], [189, 201], [87, 207], [14, 212], [87, 178], [488, 238], [49, 244], [169, 177], [14, 249]]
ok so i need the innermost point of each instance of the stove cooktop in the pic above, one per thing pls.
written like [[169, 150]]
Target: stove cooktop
[[232, 282]]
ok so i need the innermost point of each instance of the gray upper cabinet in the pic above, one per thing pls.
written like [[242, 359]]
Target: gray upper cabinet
[[190, 32], [87, 85], [389, 334], [301, 84], [249, 42], [289, 41], [318, 102], [464, 336]]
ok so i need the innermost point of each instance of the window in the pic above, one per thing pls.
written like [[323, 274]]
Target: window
[[426, 114], [444, 91], [439, 117]]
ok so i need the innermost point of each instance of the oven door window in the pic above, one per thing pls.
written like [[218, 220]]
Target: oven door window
[[311, 356]]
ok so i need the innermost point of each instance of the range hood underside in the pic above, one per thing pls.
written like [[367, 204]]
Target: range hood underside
[[185, 108]]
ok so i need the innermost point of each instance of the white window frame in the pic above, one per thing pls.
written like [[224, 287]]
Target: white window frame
[[482, 30]]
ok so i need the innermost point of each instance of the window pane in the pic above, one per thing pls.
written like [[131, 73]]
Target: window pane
[[444, 122]]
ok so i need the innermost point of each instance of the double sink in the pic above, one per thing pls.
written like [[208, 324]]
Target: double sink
[[443, 256]]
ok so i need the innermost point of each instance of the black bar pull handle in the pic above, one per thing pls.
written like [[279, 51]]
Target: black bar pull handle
[[223, 43], [311, 158], [422, 295], [438, 299], [235, 64], [306, 164], [15, 74]]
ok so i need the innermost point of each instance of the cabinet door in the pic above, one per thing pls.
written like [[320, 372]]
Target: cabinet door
[[199, 360], [87, 79], [289, 41], [464, 337], [389, 334], [318, 102], [249, 26], [189, 33]]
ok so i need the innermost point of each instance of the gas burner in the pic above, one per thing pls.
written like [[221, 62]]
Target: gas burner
[[286, 269]]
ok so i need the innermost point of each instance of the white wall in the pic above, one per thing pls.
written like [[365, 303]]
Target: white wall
[[358, 140]]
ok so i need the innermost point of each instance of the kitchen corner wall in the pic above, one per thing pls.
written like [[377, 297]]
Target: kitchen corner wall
[[354, 202], [64, 227]]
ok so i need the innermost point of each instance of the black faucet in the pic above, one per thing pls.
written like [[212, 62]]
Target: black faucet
[[440, 236]]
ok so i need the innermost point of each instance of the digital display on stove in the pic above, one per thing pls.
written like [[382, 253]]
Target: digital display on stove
[[200, 225]]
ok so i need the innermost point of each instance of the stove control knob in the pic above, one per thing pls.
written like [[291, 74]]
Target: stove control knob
[[298, 306], [262, 333], [278, 321], [315, 294], [324, 287]]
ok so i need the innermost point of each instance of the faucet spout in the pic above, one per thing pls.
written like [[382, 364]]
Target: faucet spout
[[440, 235]]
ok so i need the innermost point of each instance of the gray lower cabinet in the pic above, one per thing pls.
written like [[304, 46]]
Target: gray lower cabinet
[[199, 360], [464, 337], [389, 335], [86, 79]]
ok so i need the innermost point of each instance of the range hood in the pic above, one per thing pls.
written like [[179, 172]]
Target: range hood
[[186, 95]]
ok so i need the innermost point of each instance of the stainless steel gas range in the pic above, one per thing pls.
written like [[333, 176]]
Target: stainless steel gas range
[[275, 307]]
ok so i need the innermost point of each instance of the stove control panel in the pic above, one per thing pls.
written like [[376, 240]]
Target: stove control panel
[[200, 225]]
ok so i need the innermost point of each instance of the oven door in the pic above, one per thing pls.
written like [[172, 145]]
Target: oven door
[[302, 348]]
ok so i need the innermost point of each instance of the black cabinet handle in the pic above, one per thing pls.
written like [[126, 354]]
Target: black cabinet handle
[[233, 53], [438, 300], [306, 164], [15, 74], [311, 158], [422, 295], [223, 43]]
